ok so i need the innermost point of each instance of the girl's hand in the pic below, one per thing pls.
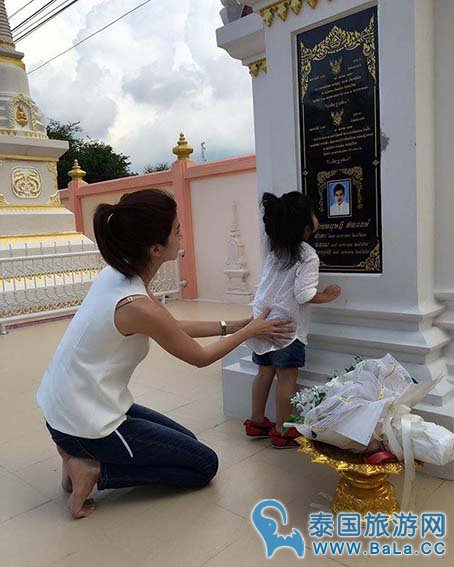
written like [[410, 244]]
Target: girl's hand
[[332, 292], [273, 331]]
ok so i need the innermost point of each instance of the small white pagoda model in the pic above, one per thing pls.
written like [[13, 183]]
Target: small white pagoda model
[[39, 248], [236, 270]]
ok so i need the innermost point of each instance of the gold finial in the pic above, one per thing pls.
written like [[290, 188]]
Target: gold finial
[[76, 172], [183, 150]]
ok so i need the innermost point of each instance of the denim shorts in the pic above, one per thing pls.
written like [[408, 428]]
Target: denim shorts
[[292, 356]]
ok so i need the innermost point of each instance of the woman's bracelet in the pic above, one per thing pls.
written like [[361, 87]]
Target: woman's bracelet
[[223, 328]]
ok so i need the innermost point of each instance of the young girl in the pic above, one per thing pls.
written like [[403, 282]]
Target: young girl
[[288, 285]]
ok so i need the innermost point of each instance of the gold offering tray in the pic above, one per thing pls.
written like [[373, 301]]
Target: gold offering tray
[[362, 487]]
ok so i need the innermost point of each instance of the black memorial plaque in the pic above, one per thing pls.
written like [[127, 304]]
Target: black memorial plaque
[[340, 140]]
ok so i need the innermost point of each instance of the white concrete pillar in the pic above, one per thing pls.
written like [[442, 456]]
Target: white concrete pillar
[[395, 311], [444, 141]]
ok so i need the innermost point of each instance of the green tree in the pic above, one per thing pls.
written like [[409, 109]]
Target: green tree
[[163, 166], [94, 156]]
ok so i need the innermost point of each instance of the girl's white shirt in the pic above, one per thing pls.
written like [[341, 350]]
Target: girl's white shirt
[[287, 293]]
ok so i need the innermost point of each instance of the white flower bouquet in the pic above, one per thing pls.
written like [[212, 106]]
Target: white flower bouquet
[[368, 409]]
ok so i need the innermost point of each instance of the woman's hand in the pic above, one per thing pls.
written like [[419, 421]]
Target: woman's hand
[[274, 331], [237, 325]]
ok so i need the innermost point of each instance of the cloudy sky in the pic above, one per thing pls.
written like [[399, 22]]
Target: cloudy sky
[[140, 82]]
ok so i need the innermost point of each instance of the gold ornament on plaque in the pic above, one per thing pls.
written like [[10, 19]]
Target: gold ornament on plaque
[[336, 65], [372, 263], [337, 40], [21, 116], [337, 117], [26, 182]]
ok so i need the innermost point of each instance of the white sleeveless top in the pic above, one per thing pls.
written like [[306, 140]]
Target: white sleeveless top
[[84, 391]]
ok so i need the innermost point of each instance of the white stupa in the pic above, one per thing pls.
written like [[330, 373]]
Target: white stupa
[[32, 220], [29, 199]]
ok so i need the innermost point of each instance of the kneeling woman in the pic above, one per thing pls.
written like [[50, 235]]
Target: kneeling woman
[[103, 437]]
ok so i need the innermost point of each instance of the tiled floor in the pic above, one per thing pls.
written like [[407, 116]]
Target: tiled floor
[[155, 526]]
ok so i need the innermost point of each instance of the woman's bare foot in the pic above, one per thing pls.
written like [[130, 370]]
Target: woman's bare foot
[[66, 483], [84, 474]]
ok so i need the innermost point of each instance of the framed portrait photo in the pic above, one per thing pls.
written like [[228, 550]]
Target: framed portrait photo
[[339, 198]]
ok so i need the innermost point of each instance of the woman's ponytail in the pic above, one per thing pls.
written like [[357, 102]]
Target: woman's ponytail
[[125, 232]]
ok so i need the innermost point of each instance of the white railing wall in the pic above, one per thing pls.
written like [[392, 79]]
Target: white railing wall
[[53, 281]]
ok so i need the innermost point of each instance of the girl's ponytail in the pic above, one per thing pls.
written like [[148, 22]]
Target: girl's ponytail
[[286, 219]]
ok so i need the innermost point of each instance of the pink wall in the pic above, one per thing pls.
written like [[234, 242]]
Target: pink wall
[[228, 180]]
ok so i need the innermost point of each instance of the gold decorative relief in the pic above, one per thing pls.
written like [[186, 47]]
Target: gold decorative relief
[[23, 157], [18, 106], [52, 167], [257, 66], [3, 201], [282, 9], [54, 200], [338, 40], [26, 182], [26, 133], [21, 116]]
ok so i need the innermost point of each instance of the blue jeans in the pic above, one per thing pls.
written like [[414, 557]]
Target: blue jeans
[[147, 448], [292, 356]]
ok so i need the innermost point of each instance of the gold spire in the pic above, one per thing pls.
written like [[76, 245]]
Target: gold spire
[[76, 172], [183, 150], [6, 37]]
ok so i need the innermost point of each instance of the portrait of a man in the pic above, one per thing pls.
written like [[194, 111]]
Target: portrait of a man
[[339, 198]]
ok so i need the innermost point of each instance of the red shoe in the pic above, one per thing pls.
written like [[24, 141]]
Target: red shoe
[[285, 440], [258, 429]]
